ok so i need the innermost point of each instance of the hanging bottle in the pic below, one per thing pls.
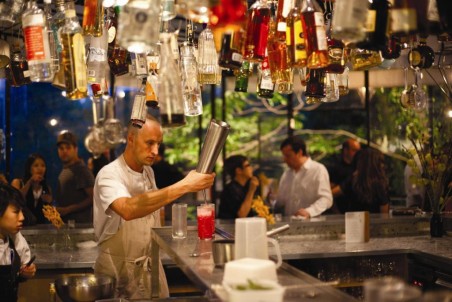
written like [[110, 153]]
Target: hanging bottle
[[152, 85], [93, 18], [315, 86], [315, 35], [403, 18], [349, 20], [342, 82], [230, 53], [283, 10], [281, 73], [97, 57], [20, 75], [191, 90], [53, 36], [227, 17], [208, 69], [336, 52], [376, 26], [137, 31], [37, 43], [295, 38], [139, 109], [242, 76], [265, 85], [168, 10], [364, 59], [170, 89], [117, 56], [139, 65], [73, 55], [58, 21], [257, 31]]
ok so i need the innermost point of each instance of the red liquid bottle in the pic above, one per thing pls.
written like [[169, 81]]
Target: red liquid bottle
[[257, 31]]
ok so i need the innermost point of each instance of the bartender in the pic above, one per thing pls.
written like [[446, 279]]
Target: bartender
[[127, 205]]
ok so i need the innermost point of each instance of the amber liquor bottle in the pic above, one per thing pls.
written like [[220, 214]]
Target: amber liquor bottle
[[315, 35], [117, 56], [295, 39], [20, 75], [315, 85], [230, 54]]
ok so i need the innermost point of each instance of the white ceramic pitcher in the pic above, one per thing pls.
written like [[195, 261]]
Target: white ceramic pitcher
[[251, 239]]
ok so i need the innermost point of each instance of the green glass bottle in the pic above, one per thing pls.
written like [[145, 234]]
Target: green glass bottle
[[242, 75]]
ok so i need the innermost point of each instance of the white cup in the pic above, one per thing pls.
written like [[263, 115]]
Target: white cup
[[251, 239]]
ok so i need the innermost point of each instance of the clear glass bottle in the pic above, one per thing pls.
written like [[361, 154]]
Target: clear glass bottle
[[170, 89], [58, 20], [168, 10], [349, 20], [139, 109], [295, 38], [257, 31], [117, 56], [93, 18], [139, 66], [315, 35], [265, 85], [137, 30], [97, 58], [191, 90], [73, 55], [53, 36], [37, 43], [208, 69]]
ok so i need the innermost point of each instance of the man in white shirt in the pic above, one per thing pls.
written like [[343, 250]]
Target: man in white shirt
[[127, 205], [304, 189]]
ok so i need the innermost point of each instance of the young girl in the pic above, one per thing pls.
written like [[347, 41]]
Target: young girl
[[34, 187], [14, 250]]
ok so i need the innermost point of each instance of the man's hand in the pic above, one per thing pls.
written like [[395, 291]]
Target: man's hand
[[198, 181], [28, 271], [303, 212], [254, 182]]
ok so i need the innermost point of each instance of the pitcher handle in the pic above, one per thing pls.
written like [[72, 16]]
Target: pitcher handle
[[278, 251]]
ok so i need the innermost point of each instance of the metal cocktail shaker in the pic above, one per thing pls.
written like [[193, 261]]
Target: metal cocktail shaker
[[213, 144]]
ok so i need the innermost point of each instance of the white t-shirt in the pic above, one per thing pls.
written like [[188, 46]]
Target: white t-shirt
[[21, 246], [307, 188], [113, 181]]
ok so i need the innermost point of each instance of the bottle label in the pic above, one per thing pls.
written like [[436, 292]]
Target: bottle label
[[27, 73], [34, 39], [321, 38], [153, 62], [403, 20], [371, 20], [282, 26], [287, 5], [139, 108], [318, 19], [300, 48], [111, 34], [97, 54], [150, 93], [79, 62], [237, 57], [266, 83]]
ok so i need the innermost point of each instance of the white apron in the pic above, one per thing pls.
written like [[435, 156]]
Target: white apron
[[126, 256]]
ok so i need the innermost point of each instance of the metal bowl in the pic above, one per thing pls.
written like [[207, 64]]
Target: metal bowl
[[85, 288]]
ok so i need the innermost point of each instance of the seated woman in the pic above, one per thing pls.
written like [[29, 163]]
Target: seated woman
[[368, 187], [237, 196], [34, 187]]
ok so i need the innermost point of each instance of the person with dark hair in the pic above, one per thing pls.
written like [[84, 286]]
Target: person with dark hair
[[74, 194], [341, 170], [238, 194], [368, 187], [304, 189], [34, 186], [14, 249], [127, 206]]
